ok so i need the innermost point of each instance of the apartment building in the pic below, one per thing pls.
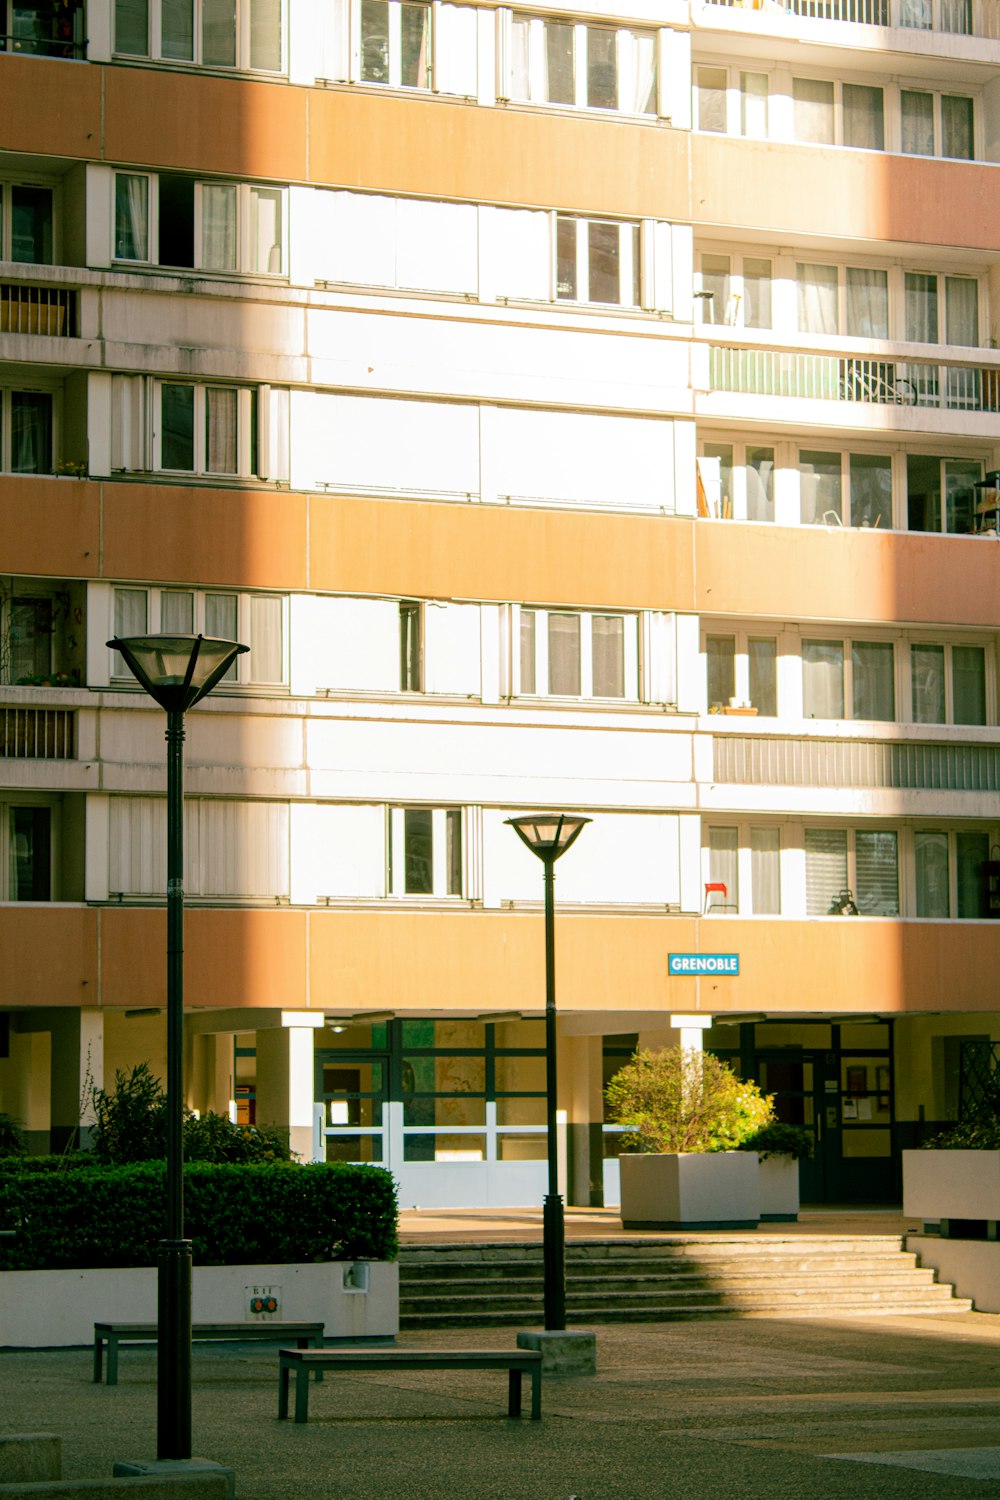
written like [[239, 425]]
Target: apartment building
[[583, 406]]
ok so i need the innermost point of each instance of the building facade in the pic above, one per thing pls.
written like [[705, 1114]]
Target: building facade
[[582, 406]]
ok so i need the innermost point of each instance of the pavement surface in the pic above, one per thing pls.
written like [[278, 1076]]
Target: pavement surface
[[860, 1408]]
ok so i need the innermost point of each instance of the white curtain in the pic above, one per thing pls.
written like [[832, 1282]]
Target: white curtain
[[918, 14], [927, 684], [812, 111], [176, 612], [608, 656], [131, 216], [931, 858], [520, 57], [218, 226], [917, 111], [220, 415], [817, 298], [961, 303], [637, 72], [921, 306], [265, 35], [265, 230], [753, 104], [765, 871], [265, 661], [760, 484], [130, 614], [873, 671], [956, 127], [864, 117], [222, 621], [527, 650], [723, 868], [826, 868], [822, 680], [867, 303], [564, 655]]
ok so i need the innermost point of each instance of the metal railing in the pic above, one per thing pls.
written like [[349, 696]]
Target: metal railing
[[830, 377], [33, 46], [47, 311], [37, 733], [895, 765], [979, 18]]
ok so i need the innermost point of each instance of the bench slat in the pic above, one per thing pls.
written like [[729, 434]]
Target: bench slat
[[515, 1362]]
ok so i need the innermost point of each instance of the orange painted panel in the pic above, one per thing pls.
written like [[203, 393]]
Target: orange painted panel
[[819, 573], [231, 957], [50, 107], [846, 194], [49, 526], [165, 119], [49, 956], [236, 537], [488, 552]]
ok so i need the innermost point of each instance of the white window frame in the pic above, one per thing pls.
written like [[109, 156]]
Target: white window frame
[[625, 40], [742, 635], [896, 294], [242, 64], [733, 315], [396, 853], [395, 47], [244, 219], [630, 637], [28, 387], [734, 91], [714, 903], [12, 799], [245, 396], [937, 93], [868, 638], [948, 645], [7, 184], [908, 840], [852, 864], [738, 499], [629, 261], [245, 677]]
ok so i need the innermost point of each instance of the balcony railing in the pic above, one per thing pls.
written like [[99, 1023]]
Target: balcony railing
[[755, 761], [830, 377], [37, 733], [979, 18], [48, 311]]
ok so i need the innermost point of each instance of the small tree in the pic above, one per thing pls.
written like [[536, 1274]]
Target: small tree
[[11, 1136], [681, 1099]]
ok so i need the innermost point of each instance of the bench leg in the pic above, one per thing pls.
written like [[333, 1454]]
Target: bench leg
[[536, 1392], [311, 1341], [513, 1392], [112, 1360], [98, 1359], [301, 1394], [282, 1392]]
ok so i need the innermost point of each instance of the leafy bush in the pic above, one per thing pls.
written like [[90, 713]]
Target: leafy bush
[[131, 1126], [234, 1215], [681, 1099], [980, 1132], [11, 1136], [776, 1139]]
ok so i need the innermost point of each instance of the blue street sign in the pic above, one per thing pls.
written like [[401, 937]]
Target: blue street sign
[[683, 964]]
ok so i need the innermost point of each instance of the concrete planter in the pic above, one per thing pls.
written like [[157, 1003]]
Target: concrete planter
[[52, 1309], [690, 1190], [779, 1190], [939, 1186]]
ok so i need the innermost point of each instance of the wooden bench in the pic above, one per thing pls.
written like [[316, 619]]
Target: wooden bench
[[515, 1361], [113, 1334]]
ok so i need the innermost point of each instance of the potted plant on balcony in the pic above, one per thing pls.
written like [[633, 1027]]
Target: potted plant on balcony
[[779, 1150], [687, 1115]]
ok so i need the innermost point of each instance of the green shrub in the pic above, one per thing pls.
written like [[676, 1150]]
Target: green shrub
[[234, 1215], [131, 1126], [681, 1099], [979, 1133], [776, 1139], [11, 1136]]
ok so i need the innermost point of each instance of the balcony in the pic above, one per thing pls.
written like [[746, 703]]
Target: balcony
[[980, 18], [862, 764], [47, 312], [37, 733]]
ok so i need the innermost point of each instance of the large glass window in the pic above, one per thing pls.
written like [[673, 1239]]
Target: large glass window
[[215, 34], [425, 851], [941, 493], [723, 868], [207, 430], [820, 496], [823, 679], [26, 431], [597, 260], [873, 680], [29, 854], [813, 111], [948, 683], [175, 220], [564, 653], [583, 66], [765, 871], [720, 653]]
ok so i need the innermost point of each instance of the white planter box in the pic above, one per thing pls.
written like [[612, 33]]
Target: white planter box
[[951, 1185], [52, 1309], [779, 1190], [690, 1190]]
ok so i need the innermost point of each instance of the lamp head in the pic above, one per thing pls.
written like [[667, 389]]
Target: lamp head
[[548, 834], [177, 670]]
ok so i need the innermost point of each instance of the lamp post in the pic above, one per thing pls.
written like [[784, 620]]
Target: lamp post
[[177, 671], [549, 835]]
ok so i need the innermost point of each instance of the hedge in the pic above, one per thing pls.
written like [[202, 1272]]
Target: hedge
[[234, 1215]]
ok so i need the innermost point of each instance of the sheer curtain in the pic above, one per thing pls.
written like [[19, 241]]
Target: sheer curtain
[[527, 651], [265, 661], [917, 14], [220, 440], [876, 888], [637, 78], [873, 673], [820, 498], [812, 111], [760, 484], [265, 35], [762, 662], [222, 621], [765, 871], [864, 117], [608, 656], [826, 868], [956, 127], [968, 670], [867, 303], [927, 684], [921, 308], [265, 230], [931, 858], [720, 657], [961, 311], [30, 432], [917, 114], [218, 226], [564, 655], [723, 867], [817, 298], [176, 612], [822, 680], [131, 217]]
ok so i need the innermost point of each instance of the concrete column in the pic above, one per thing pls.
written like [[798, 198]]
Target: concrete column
[[77, 1067], [580, 1061], [285, 1079]]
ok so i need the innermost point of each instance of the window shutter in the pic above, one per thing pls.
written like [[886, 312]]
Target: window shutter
[[826, 868], [877, 865], [674, 77], [657, 280], [130, 427], [455, 50], [266, 656], [659, 657], [334, 34], [272, 433], [452, 661]]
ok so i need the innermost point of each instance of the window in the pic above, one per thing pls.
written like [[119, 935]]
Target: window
[[26, 431], [734, 104], [947, 684], [245, 34], [39, 28], [569, 655], [171, 220], [949, 873], [847, 489], [859, 673], [206, 429], [583, 66], [396, 43], [941, 309], [734, 290], [26, 871], [935, 124], [26, 223], [597, 260], [941, 493], [863, 861], [747, 861], [256, 619], [842, 114], [723, 869], [425, 851], [745, 668], [410, 646], [743, 477]]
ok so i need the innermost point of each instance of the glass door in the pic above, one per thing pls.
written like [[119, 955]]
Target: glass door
[[352, 1089]]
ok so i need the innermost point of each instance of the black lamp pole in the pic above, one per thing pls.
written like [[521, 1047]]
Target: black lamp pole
[[177, 671], [548, 836]]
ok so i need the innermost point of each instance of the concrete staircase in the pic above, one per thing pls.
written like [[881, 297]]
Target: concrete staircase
[[656, 1281]]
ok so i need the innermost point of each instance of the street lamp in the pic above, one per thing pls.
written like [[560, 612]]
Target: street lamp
[[549, 835], [177, 671]]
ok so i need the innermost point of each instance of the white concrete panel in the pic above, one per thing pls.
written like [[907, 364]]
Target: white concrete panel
[[367, 443], [356, 644], [100, 628], [100, 186], [682, 266], [452, 648], [571, 457], [691, 884], [338, 851], [622, 857], [311, 41], [307, 224], [659, 657], [685, 489], [239, 329], [456, 48], [96, 838], [674, 77], [99, 456], [358, 238], [437, 243], [490, 623], [99, 30], [515, 254], [691, 683]]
